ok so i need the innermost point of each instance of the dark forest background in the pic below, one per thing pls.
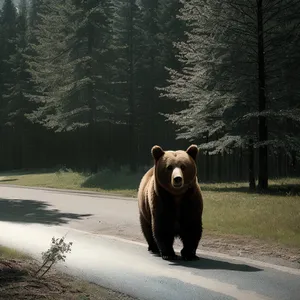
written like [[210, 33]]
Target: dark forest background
[[93, 84]]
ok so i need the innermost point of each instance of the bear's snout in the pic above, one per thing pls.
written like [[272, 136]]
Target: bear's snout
[[177, 178]]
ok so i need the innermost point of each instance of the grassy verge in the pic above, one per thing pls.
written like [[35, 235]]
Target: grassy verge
[[17, 282], [9, 253], [228, 208], [123, 182]]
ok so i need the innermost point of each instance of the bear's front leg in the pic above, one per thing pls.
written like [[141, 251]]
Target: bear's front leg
[[190, 237], [148, 234], [164, 237]]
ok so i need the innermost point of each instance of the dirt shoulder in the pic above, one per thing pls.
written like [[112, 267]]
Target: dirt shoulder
[[252, 248], [17, 282]]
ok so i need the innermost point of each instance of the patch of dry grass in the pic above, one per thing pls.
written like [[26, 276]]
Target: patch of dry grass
[[9, 253]]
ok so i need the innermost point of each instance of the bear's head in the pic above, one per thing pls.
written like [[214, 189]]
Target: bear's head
[[175, 171]]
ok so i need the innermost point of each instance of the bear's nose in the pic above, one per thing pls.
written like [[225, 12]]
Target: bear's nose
[[178, 179]]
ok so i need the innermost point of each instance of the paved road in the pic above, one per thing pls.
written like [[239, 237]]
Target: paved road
[[29, 218]]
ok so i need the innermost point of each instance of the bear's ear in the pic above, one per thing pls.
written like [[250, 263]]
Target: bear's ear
[[192, 151], [157, 152]]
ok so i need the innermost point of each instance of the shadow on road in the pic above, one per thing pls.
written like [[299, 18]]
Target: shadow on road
[[30, 211], [214, 264]]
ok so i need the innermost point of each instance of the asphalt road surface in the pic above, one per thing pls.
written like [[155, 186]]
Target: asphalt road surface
[[29, 218]]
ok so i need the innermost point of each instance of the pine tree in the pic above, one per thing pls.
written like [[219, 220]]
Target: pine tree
[[72, 67], [161, 28], [92, 101], [36, 9], [151, 70], [127, 41], [16, 89], [227, 72], [269, 30], [8, 33], [47, 60], [193, 85], [171, 31], [281, 43], [8, 42]]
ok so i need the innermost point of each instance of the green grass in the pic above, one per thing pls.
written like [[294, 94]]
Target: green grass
[[228, 207], [107, 181], [9, 253], [267, 217]]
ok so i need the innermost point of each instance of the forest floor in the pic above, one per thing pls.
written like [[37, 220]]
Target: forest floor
[[18, 282], [230, 210]]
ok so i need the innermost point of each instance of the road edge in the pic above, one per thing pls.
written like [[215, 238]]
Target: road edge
[[71, 191]]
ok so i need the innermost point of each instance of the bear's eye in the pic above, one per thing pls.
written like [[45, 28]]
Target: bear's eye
[[182, 167], [169, 167]]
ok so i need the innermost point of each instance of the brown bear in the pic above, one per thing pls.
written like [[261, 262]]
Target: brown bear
[[170, 203]]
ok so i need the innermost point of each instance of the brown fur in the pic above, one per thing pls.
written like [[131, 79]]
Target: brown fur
[[167, 212]]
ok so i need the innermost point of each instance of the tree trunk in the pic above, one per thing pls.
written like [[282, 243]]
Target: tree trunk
[[240, 166], [294, 163], [251, 165], [92, 107], [220, 167], [207, 166], [279, 164], [20, 147], [262, 120], [152, 119]]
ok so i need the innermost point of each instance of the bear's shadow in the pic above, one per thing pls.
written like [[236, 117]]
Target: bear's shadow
[[205, 263]]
